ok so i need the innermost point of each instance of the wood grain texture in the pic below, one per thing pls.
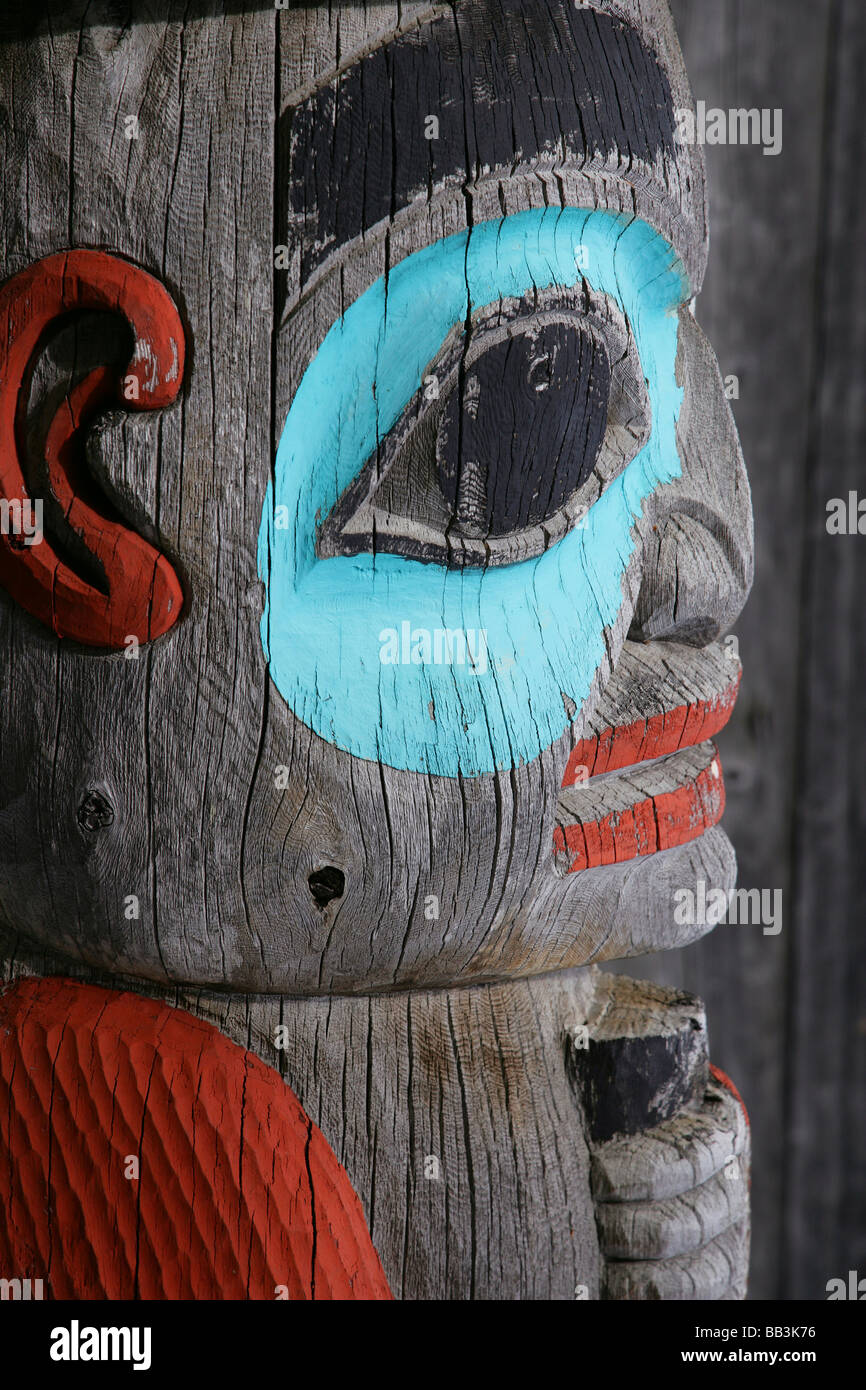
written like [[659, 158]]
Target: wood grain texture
[[449, 1109], [494, 143], [673, 1204], [645, 1061], [409, 498], [825, 1196], [645, 811], [699, 551], [618, 737], [198, 473], [678, 1226], [223, 855], [714, 1272], [783, 305], [169, 821], [678, 1156], [615, 97]]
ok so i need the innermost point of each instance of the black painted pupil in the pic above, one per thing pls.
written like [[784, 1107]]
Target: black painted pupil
[[523, 430]]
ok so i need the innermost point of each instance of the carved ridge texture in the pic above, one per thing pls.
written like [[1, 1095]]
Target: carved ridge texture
[[237, 1195]]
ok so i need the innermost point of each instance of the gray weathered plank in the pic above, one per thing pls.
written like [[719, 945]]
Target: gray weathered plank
[[756, 308], [825, 1194]]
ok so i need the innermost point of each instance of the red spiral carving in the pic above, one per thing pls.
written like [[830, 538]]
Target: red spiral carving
[[144, 596]]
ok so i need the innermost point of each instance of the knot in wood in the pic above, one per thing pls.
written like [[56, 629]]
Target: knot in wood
[[326, 884], [95, 812]]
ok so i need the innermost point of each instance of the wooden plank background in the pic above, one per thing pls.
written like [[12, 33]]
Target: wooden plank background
[[785, 308]]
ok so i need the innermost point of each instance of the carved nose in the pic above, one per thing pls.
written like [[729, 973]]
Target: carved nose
[[326, 884], [698, 555]]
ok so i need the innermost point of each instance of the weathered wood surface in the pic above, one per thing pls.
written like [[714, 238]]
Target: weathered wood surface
[[648, 811], [673, 1212], [667, 725], [477, 504], [223, 854], [449, 1109], [783, 306], [673, 1207], [146, 830], [825, 1198], [645, 1058]]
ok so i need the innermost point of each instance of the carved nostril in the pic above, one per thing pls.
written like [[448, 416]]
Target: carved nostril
[[326, 884]]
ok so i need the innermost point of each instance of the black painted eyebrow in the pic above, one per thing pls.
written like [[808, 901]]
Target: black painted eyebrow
[[508, 82]]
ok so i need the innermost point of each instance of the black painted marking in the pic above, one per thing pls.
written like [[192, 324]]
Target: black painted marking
[[525, 430], [508, 82], [629, 1084]]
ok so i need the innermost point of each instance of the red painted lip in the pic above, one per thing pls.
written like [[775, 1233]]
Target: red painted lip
[[647, 785], [627, 745]]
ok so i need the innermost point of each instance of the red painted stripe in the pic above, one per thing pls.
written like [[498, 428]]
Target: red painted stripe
[[728, 1084], [664, 733], [656, 823], [144, 593], [237, 1192]]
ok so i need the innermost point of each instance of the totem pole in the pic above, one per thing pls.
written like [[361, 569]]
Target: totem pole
[[372, 520]]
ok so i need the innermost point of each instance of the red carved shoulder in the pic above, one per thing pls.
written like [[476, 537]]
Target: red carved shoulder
[[143, 1154]]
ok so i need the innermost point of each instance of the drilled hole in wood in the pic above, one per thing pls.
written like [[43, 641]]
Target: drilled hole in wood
[[326, 884]]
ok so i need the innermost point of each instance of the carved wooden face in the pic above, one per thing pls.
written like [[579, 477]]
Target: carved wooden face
[[466, 734]]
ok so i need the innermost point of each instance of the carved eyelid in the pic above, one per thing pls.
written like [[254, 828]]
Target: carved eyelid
[[400, 501]]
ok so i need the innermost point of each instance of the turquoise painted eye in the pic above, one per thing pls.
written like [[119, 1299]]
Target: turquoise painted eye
[[522, 419], [376, 526]]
